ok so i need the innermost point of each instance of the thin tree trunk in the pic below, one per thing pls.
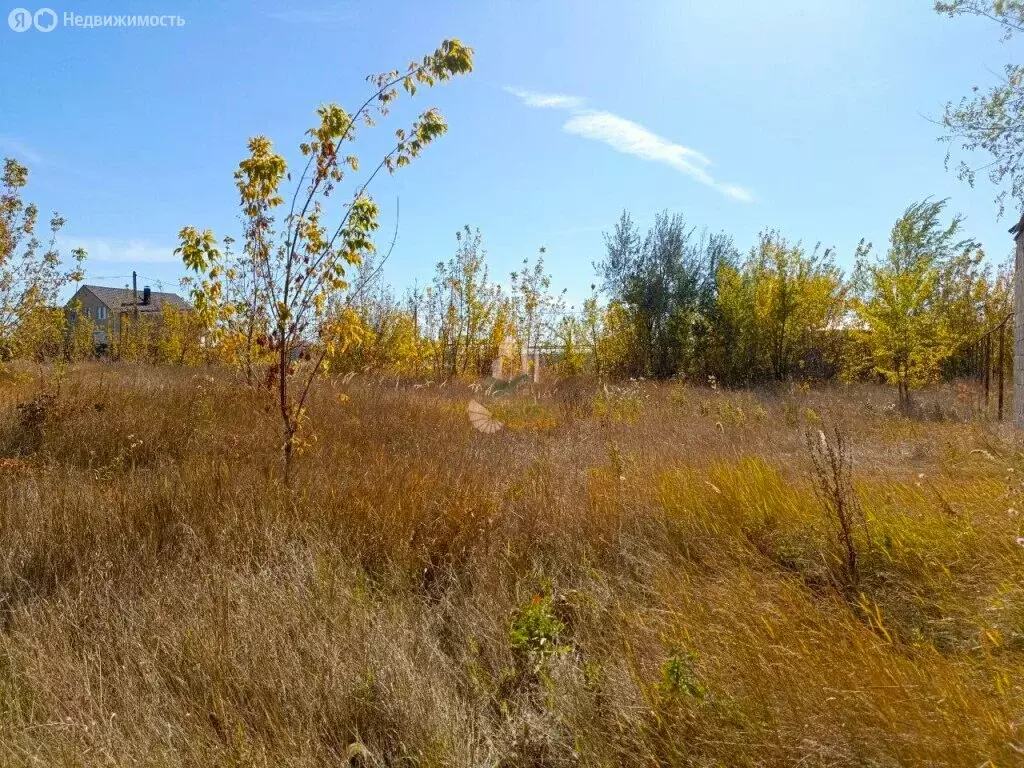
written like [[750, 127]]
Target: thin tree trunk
[[286, 418]]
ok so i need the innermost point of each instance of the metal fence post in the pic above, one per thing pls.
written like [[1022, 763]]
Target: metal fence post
[[988, 367], [1002, 360]]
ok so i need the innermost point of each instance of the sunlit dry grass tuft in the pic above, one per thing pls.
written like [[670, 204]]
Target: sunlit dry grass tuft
[[642, 575]]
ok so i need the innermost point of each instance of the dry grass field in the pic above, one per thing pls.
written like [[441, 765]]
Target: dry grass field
[[646, 576]]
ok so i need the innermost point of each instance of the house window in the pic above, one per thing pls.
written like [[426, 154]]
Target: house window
[[87, 311], [101, 313]]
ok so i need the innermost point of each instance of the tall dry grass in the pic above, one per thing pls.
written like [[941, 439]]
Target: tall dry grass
[[643, 576]]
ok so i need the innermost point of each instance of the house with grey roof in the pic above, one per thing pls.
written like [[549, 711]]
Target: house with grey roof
[[106, 306]]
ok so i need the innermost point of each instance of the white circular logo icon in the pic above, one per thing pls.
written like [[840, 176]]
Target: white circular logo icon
[[20, 19], [45, 19]]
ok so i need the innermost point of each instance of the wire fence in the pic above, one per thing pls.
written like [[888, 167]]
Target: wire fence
[[988, 355]]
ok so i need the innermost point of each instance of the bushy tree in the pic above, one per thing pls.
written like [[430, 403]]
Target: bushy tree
[[658, 280], [773, 309], [906, 297]]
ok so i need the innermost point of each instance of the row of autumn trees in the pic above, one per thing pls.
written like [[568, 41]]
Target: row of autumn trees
[[689, 303], [673, 301], [676, 301]]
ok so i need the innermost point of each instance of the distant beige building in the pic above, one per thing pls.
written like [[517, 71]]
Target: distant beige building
[[106, 306]]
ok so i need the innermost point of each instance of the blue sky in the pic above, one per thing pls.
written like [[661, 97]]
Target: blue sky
[[808, 116]]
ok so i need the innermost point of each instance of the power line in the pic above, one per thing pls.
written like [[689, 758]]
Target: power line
[[158, 281]]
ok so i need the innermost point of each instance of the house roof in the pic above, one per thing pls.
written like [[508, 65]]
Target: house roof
[[121, 298]]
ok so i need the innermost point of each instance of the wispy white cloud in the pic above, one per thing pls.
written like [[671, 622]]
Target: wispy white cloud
[[631, 138], [325, 15], [105, 249], [20, 151], [548, 100]]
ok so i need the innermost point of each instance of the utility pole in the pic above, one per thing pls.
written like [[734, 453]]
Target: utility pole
[[135, 294]]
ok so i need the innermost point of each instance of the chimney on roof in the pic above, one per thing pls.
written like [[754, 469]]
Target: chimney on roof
[[146, 293]]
